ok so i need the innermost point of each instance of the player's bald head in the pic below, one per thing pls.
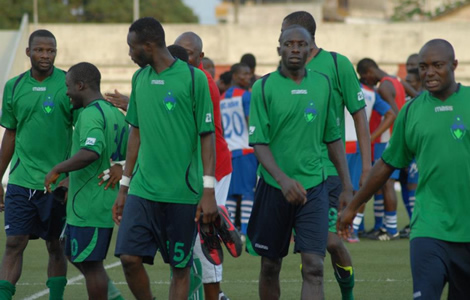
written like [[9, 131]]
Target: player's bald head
[[440, 45], [190, 38]]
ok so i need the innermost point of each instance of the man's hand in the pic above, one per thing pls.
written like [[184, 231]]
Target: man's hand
[[117, 99], [2, 195], [112, 175], [293, 191], [207, 207], [345, 198], [344, 224], [51, 177], [118, 206]]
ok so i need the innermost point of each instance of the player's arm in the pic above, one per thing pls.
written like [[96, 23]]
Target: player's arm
[[363, 137], [385, 124], [410, 91], [208, 206], [338, 158], [133, 146], [387, 91], [6, 153], [80, 160], [378, 175], [292, 190]]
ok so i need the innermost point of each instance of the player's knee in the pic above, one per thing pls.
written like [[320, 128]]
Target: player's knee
[[270, 267], [312, 268], [130, 262], [15, 244], [180, 273]]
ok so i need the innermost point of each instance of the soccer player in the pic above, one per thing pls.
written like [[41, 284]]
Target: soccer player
[[209, 66], [250, 60], [170, 148], [346, 93], [385, 202], [211, 274], [433, 128], [37, 117], [98, 135], [290, 118], [235, 108]]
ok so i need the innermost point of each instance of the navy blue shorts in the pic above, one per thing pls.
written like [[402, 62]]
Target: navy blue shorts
[[87, 243], [435, 262], [32, 212], [273, 218], [244, 176], [148, 226], [334, 187], [379, 149]]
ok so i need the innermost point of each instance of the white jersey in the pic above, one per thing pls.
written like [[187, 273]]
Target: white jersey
[[234, 119]]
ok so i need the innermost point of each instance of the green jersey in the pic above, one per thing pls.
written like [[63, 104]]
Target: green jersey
[[436, 133], [346, 91], [100, 128], [41, 114], [171, 109], [294, 120]]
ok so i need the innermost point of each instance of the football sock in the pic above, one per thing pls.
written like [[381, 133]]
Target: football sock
[[345, 278], [391, 221], [411, 202], [246, 206], [7, 290], [378, 210], [357, 222], [113, 292], [56, 287], [231, 205]]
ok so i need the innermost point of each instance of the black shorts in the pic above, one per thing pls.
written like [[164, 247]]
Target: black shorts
[[148, 226], [334, 187], [273, 219], [33, 212], [87, 243], [435, 262]]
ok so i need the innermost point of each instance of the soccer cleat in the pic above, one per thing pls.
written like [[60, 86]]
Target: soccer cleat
[[373, 233], [405, 232], [222, 296], [210, 243], [228, 233], [353, 238], [387, 236]]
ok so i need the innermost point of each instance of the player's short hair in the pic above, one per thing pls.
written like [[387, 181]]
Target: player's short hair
[[178, 52], [41, 33], [226, 77], [304, 19], [443, 44], [365, 64], [87, 73], [248, 59], [148, 29], [237, 67]]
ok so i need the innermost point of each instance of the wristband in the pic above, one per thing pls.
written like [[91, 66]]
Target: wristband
[[125, 181], [122, 163], [208, 181]]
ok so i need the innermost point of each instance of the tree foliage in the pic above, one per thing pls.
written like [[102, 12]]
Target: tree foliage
[[93, 11]]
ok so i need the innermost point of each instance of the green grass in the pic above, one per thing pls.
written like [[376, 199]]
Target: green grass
[[382, 271]]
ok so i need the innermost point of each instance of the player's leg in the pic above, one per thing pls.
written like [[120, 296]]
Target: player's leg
[[12, 261], [96, 279], [136, 244], [429, 263], [177, 223], [311, 235], [249, 179], [390, 207], [340, 257], [268, 235]]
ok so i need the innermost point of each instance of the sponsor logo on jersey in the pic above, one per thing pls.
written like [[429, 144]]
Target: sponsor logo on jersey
[[169, 101], [158, 82], [458, 129], [48, 105], [90, 141], [39, 88], [252, 130], [360, 96], [208, 118], [443, 108], [298, 92], [310, 113]]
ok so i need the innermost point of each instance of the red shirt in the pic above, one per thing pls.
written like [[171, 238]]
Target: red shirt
[[223, 162]]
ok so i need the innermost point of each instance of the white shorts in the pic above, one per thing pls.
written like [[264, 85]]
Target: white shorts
[[212, 273]]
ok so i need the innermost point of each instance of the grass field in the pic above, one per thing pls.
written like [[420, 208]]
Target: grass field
[[382, 272]]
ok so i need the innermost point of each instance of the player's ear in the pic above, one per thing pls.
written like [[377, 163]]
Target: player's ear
[[28, 52], [454, 64]]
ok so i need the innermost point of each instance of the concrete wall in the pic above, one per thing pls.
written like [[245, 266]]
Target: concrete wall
[[388, 44]]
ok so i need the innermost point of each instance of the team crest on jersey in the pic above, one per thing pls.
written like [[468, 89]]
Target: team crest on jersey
[[48, 105], [169, 101], [458, 129], [310, 113]]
